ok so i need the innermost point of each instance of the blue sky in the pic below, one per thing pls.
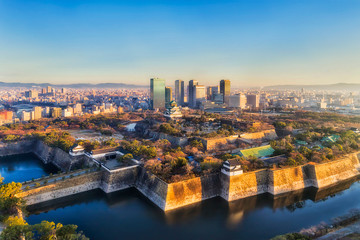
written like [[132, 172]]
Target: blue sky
[[252, 42]]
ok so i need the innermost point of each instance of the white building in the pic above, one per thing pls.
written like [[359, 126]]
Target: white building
[[231, 167]]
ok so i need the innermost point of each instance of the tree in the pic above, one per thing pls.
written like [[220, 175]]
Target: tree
[[8, 200], [178, 163]]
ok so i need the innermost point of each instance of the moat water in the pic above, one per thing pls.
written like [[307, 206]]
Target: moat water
[[129, 215], [24, 167]]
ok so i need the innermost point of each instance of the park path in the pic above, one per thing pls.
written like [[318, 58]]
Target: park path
[[349, 232]]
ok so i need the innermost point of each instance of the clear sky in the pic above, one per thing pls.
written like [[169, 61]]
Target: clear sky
[[251, 42]]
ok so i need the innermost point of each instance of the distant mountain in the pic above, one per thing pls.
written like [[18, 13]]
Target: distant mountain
[[352, 87], [75, 85]]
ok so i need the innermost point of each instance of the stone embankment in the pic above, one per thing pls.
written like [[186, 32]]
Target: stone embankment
[[170, 196], [56, 156]]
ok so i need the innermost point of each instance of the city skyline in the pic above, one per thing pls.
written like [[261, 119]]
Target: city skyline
[[252, 43]]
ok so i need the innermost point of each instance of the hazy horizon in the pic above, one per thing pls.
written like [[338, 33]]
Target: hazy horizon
[[252, 43]]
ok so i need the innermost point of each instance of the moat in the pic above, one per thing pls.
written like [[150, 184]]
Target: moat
[[24, 167], [130, 215]]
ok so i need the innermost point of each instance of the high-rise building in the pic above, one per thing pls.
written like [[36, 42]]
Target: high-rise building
[[157, 93], [77, 109], [225, 90], [199, 94], [31, 94], [56, 112], [49, 89], [179, 92], [211, 91], [191, 99], [37, 112], [25, 116], [168, 96], [253, 100], [6, 115]]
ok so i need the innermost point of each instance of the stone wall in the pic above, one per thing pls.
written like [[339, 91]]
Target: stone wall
[[244, 185], [58, 157], [21, 147], [264, 135], [152, 187], [67, 187], [119, 179], [176, 141], [175, 195], [192, 191], [333, 172], [213, 143], [289, 179]]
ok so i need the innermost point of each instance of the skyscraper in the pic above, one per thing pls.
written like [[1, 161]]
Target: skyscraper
[[168, 96], [179, 92], [37, 112], [157, 93], [225, 90], [191, 101], [199, 94], [211, 91]]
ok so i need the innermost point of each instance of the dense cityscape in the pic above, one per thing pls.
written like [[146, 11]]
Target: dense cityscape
[[23, 105]]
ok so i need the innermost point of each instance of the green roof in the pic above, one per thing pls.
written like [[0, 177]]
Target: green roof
[[332, 138], [299, 142], [263, 151]]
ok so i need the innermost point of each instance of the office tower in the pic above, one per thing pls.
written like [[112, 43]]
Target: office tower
[[25, 116], [253, 100], [49, 89], [77, 108], [31, 94], [37, 113], [199, 94], [6, 115], [237, 101], [63, 90], [56, 112], [211, 91], [43, 91], [168, 96], [157, 93], [179, 92], [46, 112], [225, 90], [191, 99]]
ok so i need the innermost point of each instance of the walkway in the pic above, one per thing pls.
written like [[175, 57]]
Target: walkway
[[351, 232], [57, 177]]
